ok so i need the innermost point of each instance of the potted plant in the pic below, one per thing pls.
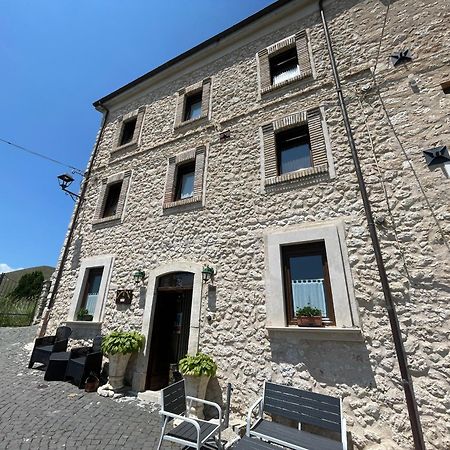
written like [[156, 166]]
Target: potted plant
[[118, 346], [83, 314], [197, 370], [309, 317]]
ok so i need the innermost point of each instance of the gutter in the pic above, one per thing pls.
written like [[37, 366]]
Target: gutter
[[407, 383], [73, 224]]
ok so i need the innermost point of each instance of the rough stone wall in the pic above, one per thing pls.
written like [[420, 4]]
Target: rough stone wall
[[228, 232]]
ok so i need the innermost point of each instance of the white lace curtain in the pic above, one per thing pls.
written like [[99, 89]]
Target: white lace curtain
[[309, 293]]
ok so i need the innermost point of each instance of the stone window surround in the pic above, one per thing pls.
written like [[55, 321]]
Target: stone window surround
[[125, 178], [322, 159], [140, 373], [139, 114], [203, 86], [199, 155], [333, 235], [105, 261], [298, 40]]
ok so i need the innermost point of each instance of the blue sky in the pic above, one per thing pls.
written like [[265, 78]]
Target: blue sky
[[58, 56]]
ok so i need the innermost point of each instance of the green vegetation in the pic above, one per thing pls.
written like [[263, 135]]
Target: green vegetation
[[122, 342], [198, 365], [308, 311], [16, 313], [29, 286]]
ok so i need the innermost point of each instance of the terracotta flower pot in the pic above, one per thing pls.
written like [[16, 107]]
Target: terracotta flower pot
[[196, 387], [309, 321], [92, 383]]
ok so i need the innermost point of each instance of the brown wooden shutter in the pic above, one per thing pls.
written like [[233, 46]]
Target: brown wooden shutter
[[170, 181], [264, 69], [101, 200], [317, 140], [199, 169], [179, 117], [270, 151]]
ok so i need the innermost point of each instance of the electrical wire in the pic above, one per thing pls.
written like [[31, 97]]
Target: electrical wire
[[381, 36], [40, 155]]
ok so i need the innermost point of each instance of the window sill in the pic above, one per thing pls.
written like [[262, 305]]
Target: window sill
[[298, 174], [84, 329], [128, 146], [106, 221], [321, 333], [191, 122], [184, 202], [273, 87]]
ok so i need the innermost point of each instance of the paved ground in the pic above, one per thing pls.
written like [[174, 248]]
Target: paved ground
[[36, 414]]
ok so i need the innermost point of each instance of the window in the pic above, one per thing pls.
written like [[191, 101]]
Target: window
[[112, 199], [284, 62], [193, 103], [296, 147], [309, 264], [92, 287], [306, 280], [91, 290], [284, 66], [185, 181], [128, 128], [185, 178], [446, 87], [293, 149], [193, 108]]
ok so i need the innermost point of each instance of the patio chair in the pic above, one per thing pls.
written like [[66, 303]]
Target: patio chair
[[190, 432], [45, 346], [83, 361]]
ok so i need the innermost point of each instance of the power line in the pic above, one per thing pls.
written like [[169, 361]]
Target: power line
[[40, 155]]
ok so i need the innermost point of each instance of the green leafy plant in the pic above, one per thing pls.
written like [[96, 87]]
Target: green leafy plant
[[198, 365], [308, 311], [29, 286], [81, 313], [122, 342]]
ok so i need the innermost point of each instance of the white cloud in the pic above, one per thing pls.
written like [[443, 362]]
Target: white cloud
[[5, 268]]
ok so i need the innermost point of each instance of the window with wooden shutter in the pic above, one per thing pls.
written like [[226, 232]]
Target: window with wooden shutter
[[295, 147], [284, 62], [128, 130]]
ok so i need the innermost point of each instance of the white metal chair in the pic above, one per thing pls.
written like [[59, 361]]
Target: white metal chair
[[190, 432]]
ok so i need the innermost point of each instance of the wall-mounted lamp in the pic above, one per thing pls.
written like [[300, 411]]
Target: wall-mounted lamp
[[139, 276], [65, 180], [438, 157], [207, 273], [400, 57]]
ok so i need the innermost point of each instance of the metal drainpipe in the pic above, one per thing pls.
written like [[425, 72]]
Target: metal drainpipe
[[411, 403], [87, 175]]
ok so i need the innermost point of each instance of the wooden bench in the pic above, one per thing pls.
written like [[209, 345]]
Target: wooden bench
[[302, 407]]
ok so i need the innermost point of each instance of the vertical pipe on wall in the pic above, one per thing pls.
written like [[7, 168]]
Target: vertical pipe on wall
[[411, 403]]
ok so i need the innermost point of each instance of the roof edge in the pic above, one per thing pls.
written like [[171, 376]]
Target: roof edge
[[238, 26]]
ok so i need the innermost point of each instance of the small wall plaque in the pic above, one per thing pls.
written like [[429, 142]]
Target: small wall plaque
[[124, 296]]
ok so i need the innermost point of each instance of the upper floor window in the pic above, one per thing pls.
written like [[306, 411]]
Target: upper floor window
[[193, 107], [296, 147], [306, 280], [185, 181], [284, 62], [293, 149], [284, 66], [128, 128], [112, 199], [193, 103]]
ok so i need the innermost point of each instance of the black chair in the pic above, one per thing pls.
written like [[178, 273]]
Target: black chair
[[45, 346], [189, 432], [83, 361]]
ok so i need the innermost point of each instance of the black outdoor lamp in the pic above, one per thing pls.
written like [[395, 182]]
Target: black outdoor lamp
[[139, 276], [207, 273], [65, 180]]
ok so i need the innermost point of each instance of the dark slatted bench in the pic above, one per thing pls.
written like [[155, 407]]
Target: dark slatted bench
[[247, 443], [303, 407]]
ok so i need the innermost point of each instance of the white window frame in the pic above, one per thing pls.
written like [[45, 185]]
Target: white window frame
[[90, 263], [333, 235]]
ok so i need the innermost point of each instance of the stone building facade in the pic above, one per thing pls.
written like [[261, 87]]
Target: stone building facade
[[192, 167]]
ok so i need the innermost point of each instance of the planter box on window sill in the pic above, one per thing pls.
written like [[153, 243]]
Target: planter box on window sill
[[321, 333]]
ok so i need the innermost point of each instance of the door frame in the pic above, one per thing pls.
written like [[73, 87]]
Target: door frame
[[140, 374]]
